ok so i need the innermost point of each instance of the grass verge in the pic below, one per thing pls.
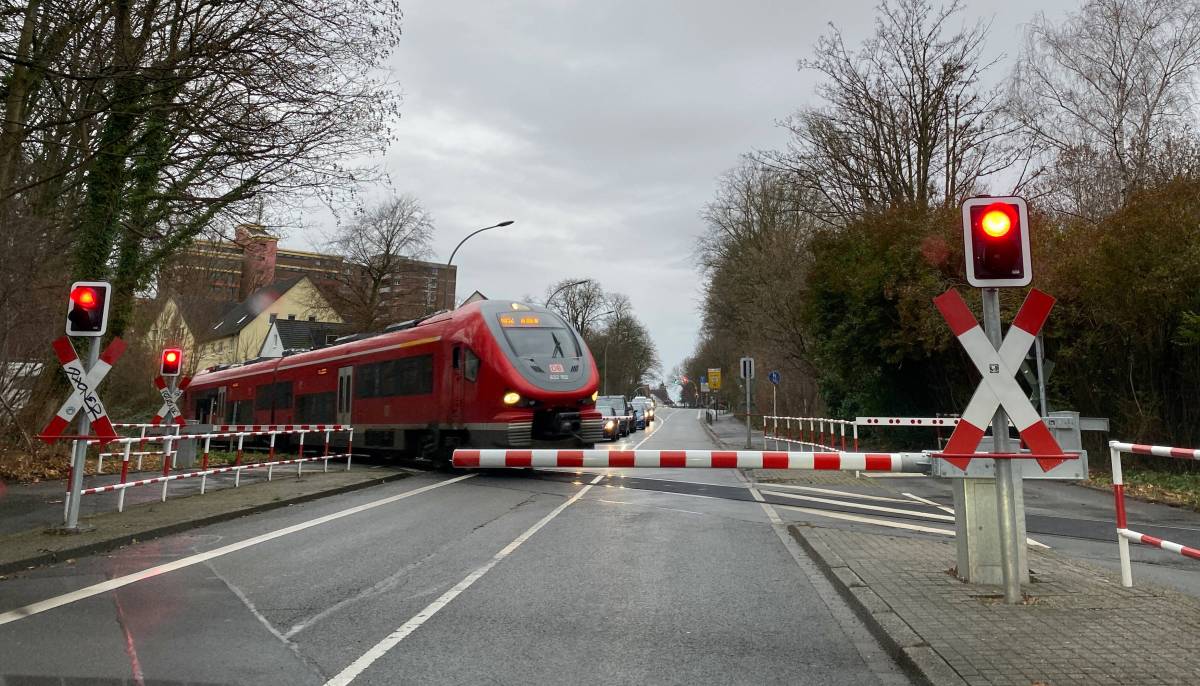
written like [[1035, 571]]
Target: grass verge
[[1181, 490]]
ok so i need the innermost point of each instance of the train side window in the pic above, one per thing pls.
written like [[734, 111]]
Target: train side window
[[471, 368], [454, 357]]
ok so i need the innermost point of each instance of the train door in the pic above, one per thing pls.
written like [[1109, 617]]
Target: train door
[[218, 411], [456, 385], [345, 386]]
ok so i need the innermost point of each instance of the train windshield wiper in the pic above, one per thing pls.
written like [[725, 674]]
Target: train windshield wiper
[[557, 346]]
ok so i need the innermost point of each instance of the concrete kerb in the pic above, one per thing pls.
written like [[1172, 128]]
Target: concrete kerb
[[126, 538], [913, 654]]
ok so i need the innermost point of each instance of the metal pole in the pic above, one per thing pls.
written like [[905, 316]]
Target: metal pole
[[79, 458], [1040, 352], [748, 425], [1006, 482]]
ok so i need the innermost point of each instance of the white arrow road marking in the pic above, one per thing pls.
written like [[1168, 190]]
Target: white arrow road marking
[[864, 506]]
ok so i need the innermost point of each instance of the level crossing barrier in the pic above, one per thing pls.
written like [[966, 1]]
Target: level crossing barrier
[[1124, 533], [170, 442], [703, 459], [810, 431]]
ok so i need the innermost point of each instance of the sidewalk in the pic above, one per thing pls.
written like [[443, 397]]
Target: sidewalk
[[1079, 625], [39, 543]]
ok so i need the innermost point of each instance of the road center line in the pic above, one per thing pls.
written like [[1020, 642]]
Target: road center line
[[112, 584], [391, 640]]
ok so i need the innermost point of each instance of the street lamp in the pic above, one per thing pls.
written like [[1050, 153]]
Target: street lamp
[[506, 222], [570, 285]]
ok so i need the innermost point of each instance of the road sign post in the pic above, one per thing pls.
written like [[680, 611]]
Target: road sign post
[[79, 452], [747, 367], [774, 377], [1007, 485]]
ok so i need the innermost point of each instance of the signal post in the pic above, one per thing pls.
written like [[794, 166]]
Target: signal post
[[87, 316]]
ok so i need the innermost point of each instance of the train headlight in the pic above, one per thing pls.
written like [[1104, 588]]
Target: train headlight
[[595, 395], [512, 398]]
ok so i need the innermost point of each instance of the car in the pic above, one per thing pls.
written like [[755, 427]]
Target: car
[[647, 405], [622, 408], [615, 426], [639, 415]]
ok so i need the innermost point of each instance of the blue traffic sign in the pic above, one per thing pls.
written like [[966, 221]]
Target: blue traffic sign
[[774, 377]]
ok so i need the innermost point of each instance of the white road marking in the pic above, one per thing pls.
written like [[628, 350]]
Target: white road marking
[[864, 506], [830, 491], [893, 475], [377, 651], [1028, 541], [870, 520], [118, 582]]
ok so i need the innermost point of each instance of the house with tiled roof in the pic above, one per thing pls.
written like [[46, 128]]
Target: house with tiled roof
[[239, 334]]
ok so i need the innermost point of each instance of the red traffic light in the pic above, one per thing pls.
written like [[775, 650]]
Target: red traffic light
[[84, 296], [996, 221], [172, 362], [996, 237], [87, 308]]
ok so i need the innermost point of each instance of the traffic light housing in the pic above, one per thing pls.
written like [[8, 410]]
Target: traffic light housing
[[172, 362], [87, 308], [996, 234]]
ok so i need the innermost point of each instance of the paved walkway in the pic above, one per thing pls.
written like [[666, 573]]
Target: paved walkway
[[1079, 626]]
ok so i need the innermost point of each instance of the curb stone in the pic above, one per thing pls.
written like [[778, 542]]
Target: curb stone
[[55, 556], [915, 656]]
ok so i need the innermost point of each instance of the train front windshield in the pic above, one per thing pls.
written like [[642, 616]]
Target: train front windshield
[[543, 342]]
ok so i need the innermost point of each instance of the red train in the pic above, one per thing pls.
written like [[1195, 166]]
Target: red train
[[489, 374]]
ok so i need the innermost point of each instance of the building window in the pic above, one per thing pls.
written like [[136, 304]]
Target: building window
[[291, 317]]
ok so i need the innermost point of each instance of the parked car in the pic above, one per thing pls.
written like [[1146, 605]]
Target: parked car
[[622, 410], [615, 426]]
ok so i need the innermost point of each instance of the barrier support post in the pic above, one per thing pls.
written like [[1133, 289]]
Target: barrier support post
[[271, 457], [856, 438], [349, 449], [67, 494], [141, 448], [843, 426], [1118, 481], [204, 465], [326, 453], [300, 457], [167, 459], [124, 478], [237, 462]]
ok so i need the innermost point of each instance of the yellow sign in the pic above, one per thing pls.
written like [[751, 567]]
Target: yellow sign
[[714, 379]]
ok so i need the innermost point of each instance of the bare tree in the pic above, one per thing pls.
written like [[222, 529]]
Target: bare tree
[[907, 121], [375, 249], [582, 302], [1108, 96]]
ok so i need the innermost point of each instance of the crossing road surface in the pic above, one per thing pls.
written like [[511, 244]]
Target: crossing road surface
[[509, 577]]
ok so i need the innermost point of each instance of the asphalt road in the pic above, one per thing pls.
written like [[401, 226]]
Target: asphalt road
[[633, 576]]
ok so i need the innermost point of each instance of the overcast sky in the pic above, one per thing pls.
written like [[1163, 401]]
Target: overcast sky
[[600, 127]]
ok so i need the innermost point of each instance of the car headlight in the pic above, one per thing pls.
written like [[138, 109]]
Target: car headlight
[[609, 425], [512, 398]]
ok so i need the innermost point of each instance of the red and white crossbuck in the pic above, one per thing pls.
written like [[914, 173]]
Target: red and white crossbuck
[[83, 390], [170, 407], [999, 387]]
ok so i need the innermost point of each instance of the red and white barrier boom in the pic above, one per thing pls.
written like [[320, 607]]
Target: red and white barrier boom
[[1124, 533], [703, 459], [999, 387]]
